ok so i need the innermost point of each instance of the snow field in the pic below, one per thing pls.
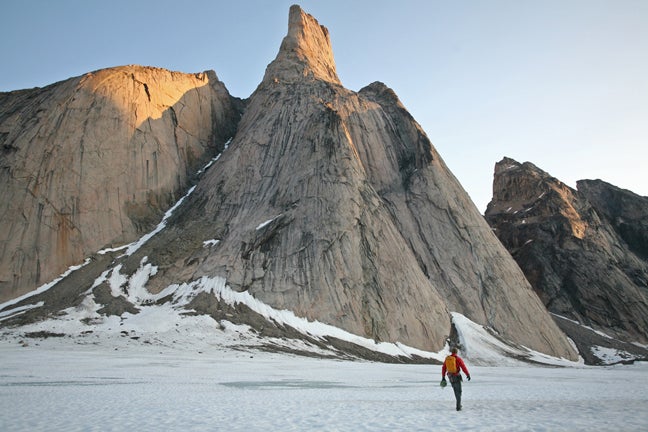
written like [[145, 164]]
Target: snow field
[[58, 385], [161, 370]]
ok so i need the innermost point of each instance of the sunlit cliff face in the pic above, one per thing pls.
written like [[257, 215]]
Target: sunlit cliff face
[[524, 191], [149, 97], [575, 222], [95, 160]]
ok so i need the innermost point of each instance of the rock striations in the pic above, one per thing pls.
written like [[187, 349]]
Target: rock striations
[[368, 230], [335, 205], [96, 160], [584, 251]]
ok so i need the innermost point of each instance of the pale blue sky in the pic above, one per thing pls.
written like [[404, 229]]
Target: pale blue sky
[[560, 83]]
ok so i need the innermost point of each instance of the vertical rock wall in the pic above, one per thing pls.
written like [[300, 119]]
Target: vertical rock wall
[[96, 160]]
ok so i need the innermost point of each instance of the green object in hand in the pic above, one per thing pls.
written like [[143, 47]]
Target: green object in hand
[[443, 383]]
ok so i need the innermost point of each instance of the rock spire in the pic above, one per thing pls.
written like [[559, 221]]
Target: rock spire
[[305, 51], [335, 205]]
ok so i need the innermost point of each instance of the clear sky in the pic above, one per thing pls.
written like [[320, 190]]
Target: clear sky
[[560, 83]]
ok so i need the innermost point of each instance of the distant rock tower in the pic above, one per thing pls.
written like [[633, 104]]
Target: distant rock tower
[[584, 251]]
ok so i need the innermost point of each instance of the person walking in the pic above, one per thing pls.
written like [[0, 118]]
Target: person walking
[[453, 365]]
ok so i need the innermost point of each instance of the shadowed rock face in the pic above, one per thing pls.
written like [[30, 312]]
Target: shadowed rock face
[[335, 205], [96, 160], [625, 211], [582, 250]]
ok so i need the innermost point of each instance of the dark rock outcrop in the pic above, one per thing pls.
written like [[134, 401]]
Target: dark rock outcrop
[[582, 250], [625, 211]]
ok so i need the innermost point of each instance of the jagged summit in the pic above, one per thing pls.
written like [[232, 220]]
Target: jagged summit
[[305, 51], [517, 187], [335, 205], [584, 251]]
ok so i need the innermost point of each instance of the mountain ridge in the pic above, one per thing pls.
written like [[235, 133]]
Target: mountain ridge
[[335, 205], [581, 249]]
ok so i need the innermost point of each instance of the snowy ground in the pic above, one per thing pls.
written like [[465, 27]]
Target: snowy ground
[[57, 384], [164, 370]]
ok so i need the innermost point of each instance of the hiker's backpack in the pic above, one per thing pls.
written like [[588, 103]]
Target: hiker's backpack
[[451, 364]]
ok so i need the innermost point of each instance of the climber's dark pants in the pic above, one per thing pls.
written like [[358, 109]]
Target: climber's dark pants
[[455, 381]]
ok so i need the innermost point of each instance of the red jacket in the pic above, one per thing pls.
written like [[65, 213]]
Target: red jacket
[[461, 366]]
